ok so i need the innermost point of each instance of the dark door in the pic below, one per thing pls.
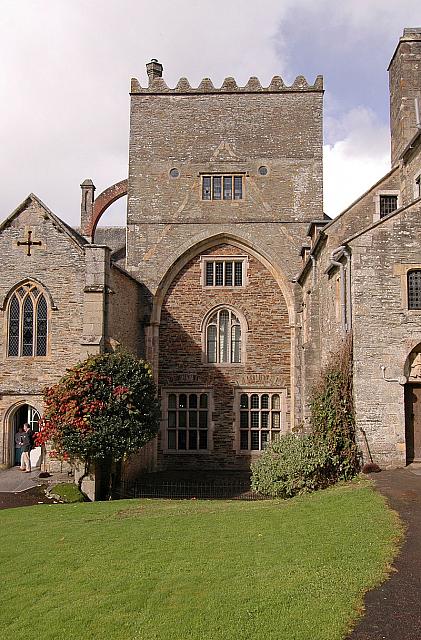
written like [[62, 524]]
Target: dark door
[[413, 422]]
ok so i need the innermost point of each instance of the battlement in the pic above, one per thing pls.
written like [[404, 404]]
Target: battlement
[[158, 86]]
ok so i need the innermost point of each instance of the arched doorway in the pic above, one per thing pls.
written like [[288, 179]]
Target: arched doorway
[[413, 406], [25, 413]]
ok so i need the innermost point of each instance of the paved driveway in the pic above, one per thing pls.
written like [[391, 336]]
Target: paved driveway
[[393, 610]]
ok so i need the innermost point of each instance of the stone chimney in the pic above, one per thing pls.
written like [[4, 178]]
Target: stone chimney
[[154, 69], [86, 206]]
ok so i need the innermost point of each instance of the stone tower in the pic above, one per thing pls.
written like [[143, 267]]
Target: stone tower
[[405, 87]]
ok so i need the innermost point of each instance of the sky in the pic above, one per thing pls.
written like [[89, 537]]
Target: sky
[[66, 67]]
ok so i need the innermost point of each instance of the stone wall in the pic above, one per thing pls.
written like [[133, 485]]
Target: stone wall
[[58, 266], [385, 331], [267, 363]]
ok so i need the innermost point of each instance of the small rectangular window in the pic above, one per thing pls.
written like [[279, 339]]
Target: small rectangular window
[[222, 187], [224, 272], [414, 289], [388, 204]]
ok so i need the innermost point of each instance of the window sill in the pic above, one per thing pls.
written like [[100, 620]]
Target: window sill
[[189, 452]]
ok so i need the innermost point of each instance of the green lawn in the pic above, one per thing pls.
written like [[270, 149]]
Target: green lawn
[[193, 570]]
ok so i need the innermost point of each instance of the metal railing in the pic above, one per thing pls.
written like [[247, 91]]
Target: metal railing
[[188, 490]]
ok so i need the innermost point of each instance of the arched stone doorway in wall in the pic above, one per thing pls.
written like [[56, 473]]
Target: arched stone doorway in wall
[[22, 414], [413, 406]]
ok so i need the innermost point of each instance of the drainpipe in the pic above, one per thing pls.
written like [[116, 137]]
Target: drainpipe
[[348, 288], [417, 114], [343, 304]]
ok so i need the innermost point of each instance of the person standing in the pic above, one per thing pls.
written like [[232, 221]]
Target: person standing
[[18, 451], [25, 447]]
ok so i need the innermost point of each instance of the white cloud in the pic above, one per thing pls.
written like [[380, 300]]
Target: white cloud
[[356, 160]]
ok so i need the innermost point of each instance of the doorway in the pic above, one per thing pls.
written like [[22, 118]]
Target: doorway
[[413, 422], [26, 413]]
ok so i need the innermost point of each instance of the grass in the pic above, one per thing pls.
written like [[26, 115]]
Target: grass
[[67, 492], [194, 570]]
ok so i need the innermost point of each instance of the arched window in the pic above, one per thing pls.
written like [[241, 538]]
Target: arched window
[[27, 322], [414, 289], [223, 337]]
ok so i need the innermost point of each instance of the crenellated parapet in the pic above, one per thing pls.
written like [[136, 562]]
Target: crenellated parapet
[[158, 86]]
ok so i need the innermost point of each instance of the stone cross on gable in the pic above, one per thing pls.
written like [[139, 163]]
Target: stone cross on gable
[[29, 243]]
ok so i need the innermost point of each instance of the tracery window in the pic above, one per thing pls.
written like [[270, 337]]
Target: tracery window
[[414, 289], [27, 322], [223, 337]]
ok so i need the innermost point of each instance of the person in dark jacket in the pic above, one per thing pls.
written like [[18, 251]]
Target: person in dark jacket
[[25, 447]]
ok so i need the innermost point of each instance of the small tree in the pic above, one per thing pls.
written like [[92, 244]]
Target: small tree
[[102, 410]]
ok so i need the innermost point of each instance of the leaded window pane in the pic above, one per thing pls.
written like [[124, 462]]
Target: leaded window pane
[[228, 274], [238, 280], [193, 400], [206, 188], [41, 327], [192, 419], [244, 401], [203, 439], [219, 274], [182, 400], [172, 401], [238, 187], [28, 327], [223, 335], [276, 402], [211, 343], [192, 439], [203, 419], [171, 439], [203, 400], [227, 187], [254, 419], [255, 444], [14, 324], [182, 439], [209, 274], [244, 420], [254, 401], [244, 439], [414, 289], [236, 343], [276, 420], [182, 419], [265, 401], [217, 188]]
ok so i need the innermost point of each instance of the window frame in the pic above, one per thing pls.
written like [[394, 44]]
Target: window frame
[[29, 285], [243, 337], [223, 177], [165, 394], [386, 193], [408, 273], [283, 395], [224, 259]]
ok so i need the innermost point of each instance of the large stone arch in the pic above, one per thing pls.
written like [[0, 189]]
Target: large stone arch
[[177, 260], [105, 200]]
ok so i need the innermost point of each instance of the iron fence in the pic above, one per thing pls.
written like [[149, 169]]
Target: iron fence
[[188, 490]]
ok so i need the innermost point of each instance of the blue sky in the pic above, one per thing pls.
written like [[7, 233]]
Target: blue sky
[[66, 67]]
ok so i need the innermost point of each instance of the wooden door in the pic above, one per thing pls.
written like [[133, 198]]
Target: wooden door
[[413, 422]]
